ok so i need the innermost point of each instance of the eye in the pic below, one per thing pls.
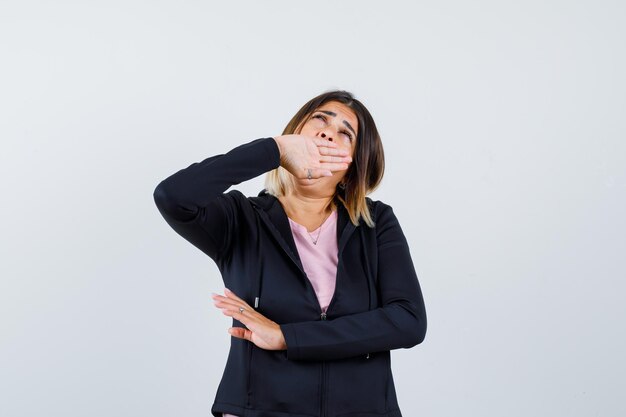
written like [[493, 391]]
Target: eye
[[322, 117]]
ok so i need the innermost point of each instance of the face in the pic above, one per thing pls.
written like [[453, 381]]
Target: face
[[334, 122]]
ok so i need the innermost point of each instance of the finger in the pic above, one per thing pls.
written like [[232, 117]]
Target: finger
[[233, 296], [240, 332], [218, 297], [316, 173], [231, 304], [323, 150], [225, 301], [227, 305], [324, 142], [247, 320], [228, 299], [333, 166], [339, 159]]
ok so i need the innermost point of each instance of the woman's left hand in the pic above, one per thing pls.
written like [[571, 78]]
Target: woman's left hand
[[260, 330]]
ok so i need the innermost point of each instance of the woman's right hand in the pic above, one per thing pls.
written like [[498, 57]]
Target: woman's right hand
[[301, 153]]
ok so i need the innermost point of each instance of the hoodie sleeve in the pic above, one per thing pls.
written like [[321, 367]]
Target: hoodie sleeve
[[400, 322], [192, 201]]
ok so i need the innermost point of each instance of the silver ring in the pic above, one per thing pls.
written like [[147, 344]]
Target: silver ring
[[241, 309], [309, 176]]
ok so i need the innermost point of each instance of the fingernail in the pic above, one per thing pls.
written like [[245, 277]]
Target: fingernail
[[227, 289]]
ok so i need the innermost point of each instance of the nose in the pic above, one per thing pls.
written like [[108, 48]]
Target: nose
[[329, 138]]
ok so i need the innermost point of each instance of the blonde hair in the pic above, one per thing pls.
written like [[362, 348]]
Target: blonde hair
[[368, 162]]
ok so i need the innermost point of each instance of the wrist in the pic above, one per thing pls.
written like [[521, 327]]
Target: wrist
[[283, 342], [281, 146], [279, 141]]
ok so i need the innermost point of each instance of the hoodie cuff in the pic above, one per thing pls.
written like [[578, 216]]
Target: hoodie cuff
[[289, 332], [271, 150]]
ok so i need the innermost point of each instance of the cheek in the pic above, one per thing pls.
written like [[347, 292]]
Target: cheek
[[314, 124], [306, 128], [350, 147], [344, 142]]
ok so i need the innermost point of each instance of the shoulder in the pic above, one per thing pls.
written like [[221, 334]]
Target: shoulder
[[377, 206], [263, 200], [381, 212], [387, 227], [238, 204], [235, 197]]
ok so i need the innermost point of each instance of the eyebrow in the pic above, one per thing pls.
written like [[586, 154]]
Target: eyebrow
[[332, 113]]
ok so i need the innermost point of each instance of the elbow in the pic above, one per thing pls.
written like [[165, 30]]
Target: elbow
[[160, 196], [416, 332], [169, 206], [162, 200], [420, 333], [409, 326]]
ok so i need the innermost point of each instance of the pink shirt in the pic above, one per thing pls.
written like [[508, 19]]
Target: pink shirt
[[319, 260]]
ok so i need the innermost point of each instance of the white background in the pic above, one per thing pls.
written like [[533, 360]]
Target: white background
[[504, 130]]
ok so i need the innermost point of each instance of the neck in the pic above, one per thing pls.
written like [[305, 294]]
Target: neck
[[306, 205]]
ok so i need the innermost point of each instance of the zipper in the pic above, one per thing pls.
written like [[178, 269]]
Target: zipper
[[249, 404], [332, 299], [323, 399], [347, 231], [323, 394], [323, 317]]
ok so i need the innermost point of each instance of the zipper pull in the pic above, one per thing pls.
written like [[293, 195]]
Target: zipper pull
[[323, 316]]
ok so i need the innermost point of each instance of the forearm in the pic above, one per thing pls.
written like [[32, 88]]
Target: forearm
[[181, 194], [399, 322], [193, 200], [386, 328]]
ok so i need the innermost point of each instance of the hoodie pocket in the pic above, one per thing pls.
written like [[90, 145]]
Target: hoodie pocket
[[283, 385], [359, 384]]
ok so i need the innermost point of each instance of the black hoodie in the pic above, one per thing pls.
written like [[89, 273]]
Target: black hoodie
[[336, 364]]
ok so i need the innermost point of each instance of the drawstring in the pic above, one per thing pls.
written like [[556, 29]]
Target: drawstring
[[368, 273], [257, 294], [367, 267]]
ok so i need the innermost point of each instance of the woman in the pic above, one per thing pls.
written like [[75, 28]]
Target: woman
[[319, 279]]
